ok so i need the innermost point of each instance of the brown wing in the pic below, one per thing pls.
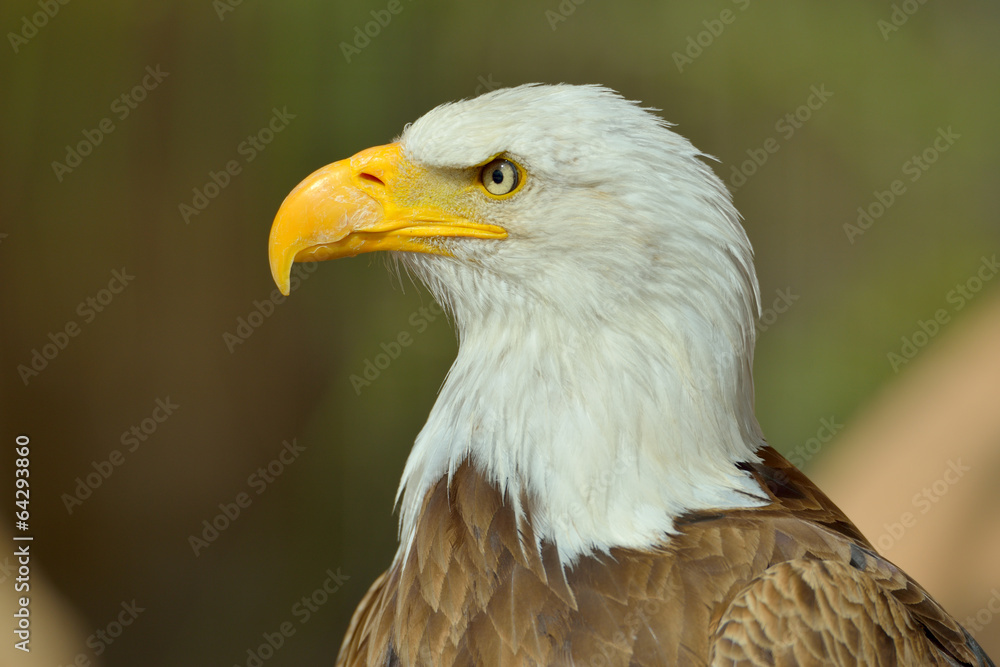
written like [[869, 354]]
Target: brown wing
[[883, 614], [368, 638], [781, 584], [810, 612]]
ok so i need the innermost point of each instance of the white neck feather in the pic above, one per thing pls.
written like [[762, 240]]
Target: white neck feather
[[636, 418]]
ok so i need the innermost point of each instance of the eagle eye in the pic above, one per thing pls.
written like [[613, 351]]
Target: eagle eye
[[500, 177]]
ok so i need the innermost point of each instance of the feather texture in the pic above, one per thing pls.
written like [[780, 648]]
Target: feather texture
[[790, 583]]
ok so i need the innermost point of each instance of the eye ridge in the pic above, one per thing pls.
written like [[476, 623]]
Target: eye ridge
[[500, 177]]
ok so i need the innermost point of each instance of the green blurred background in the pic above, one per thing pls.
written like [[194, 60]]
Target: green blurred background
[[228, 66]]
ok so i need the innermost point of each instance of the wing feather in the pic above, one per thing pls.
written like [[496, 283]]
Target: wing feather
[[792, 583]]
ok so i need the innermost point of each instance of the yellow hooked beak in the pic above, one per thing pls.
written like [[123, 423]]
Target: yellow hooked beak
[[355, 206]]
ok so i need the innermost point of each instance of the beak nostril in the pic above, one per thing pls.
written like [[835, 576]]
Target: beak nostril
[[371, 178]]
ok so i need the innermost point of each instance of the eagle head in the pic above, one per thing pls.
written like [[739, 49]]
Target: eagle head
[[604, 295]]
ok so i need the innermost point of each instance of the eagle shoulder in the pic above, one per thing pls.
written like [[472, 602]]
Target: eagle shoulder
[[793, 583], [812, 612]]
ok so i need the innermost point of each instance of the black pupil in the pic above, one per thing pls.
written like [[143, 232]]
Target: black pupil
[[497, 176]]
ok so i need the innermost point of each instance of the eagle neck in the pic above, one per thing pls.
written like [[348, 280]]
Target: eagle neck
[[608, 427]]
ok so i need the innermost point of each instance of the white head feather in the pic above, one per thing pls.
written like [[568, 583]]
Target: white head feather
[[606, 345]]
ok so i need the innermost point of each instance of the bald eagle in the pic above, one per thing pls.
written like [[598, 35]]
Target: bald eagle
[[592, 486]]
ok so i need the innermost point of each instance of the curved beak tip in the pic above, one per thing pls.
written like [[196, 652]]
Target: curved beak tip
[[281, 249], [281, 273], [314, 212]]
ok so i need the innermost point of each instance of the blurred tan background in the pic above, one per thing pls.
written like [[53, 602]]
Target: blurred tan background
[[877, 365]]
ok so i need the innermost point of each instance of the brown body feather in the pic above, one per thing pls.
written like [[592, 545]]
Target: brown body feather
[[791, 583]]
